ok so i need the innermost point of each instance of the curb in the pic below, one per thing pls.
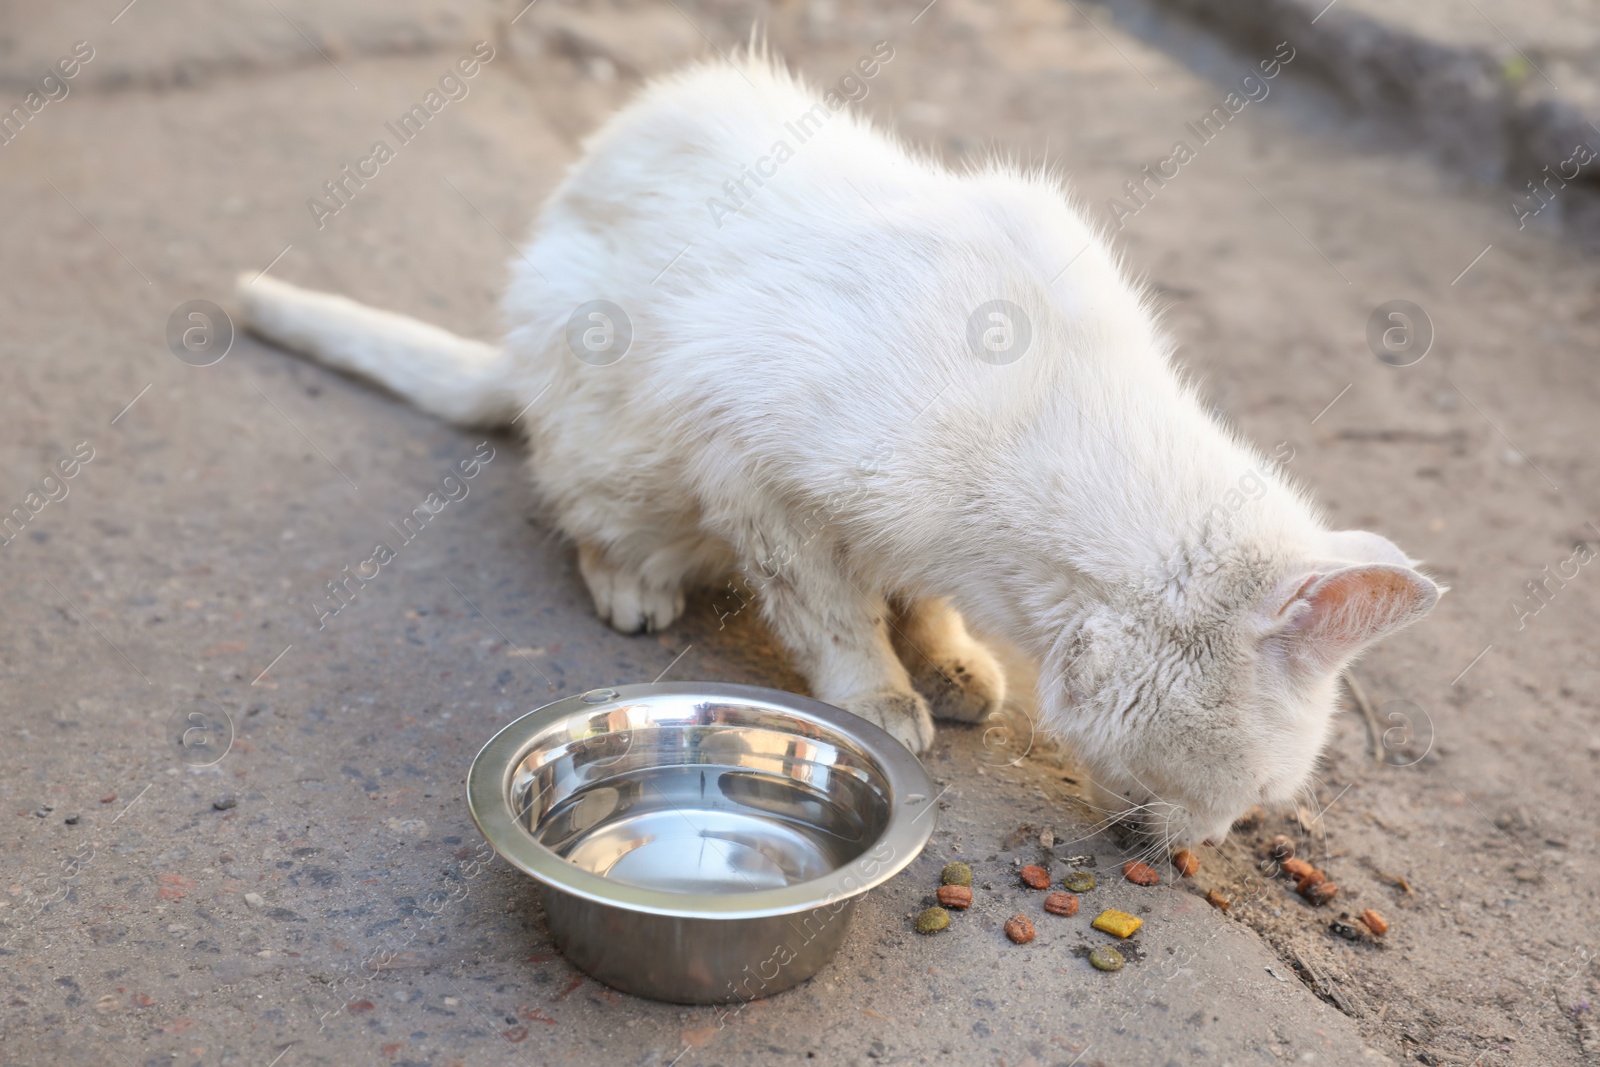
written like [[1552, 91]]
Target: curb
[[1481, 111]]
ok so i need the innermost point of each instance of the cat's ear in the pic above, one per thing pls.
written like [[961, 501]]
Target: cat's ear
[[1363, 546], [1326, 616]]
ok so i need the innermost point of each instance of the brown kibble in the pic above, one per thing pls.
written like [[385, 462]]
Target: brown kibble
[[1282, 848], [1035, 877], [1375, 922], [1140, 873], [1315, 877], [955, 896], [1186, 862], [1297, 868], [1217, 900], [1319, 893], [108, 798], [1061, 904], [1019, 929]]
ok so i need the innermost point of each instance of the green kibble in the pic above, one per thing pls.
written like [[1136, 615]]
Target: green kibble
[[932, 920], [955, 874], [1104, 958], [1079, 881]]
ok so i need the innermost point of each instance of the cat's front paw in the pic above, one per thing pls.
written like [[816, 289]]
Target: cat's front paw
[[967, 686], [623, 598], [903, 716]]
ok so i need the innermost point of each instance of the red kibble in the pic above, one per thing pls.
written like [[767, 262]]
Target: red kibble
[[1140, 873], [1297, 868], [955, 896], [1061, 904], [1035, 877], [1320, 893]]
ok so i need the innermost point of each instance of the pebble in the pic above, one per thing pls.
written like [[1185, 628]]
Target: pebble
[[108, 798], [1079, 881], [254, 900], [42, 812], [1106, 958], [71, 820], [955, 874], [932, 920], [225, 801], [1047, 838]]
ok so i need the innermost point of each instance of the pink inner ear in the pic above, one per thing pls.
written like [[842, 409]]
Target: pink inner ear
[[1352, 607]]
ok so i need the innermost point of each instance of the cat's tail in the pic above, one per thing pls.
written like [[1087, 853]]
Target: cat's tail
[[463, 381]]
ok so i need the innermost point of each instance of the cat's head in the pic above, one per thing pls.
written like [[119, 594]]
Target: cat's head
[[1211, 690]]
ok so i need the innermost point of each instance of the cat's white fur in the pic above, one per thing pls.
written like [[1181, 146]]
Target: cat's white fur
[[801, 403]]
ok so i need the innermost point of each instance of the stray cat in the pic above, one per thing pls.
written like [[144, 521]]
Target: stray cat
[[895, 398]]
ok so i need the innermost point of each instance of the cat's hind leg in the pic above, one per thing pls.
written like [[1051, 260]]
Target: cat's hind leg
[[960, 678]]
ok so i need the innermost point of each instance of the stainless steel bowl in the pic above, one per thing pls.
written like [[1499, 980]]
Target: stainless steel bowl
[[700, 843]]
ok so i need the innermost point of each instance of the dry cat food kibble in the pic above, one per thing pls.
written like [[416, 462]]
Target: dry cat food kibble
[[1312, 877], [1140, 873], [1319, 893], [1297, 868], [955, 874], [955, 896], [1186, 862], [1079, 881], [1035, 877], [1061, 904], [1217, 900], [932, 920], [1117, 923], [1375, 922], [1019, 929], [1106, 958]]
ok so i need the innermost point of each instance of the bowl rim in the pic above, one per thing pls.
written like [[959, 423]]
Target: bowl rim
[[911, 796]]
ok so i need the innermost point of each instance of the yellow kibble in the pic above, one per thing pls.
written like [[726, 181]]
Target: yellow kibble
[[1117, 923]]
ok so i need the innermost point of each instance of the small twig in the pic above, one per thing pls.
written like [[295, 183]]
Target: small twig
[[1363, 705], [1392, 879]]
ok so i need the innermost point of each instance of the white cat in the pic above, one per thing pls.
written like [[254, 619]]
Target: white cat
[[893, 397]]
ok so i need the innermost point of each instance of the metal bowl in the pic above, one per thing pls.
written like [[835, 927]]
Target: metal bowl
[[700, 843]]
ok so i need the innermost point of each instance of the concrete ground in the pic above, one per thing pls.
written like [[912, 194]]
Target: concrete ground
[[314, 895]]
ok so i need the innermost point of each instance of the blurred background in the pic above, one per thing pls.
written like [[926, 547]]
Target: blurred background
[[1372, 227]]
